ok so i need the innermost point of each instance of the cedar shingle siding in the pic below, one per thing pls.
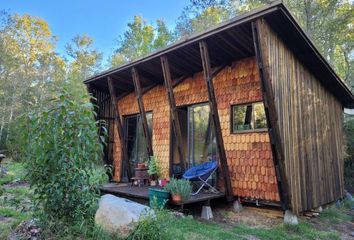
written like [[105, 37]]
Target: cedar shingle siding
[[248, 154]]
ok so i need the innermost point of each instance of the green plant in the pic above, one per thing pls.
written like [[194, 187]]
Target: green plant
[[150, 226], [62, 154], [154, 170], [179, 187]]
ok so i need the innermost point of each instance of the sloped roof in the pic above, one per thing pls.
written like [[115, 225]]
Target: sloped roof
[[228, 42]]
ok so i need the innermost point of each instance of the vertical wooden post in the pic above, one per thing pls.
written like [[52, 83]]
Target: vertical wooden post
[[174, 114], [272, 118], [139, 96], [215, 117], [119, 126]]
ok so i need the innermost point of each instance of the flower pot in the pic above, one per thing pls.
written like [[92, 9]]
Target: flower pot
[[153, 183], [141, 165], [163, 182], [176, 198]]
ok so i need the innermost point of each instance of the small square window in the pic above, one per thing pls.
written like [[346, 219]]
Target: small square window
[[248, 117]]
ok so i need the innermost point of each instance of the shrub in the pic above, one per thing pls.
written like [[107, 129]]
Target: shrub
[[154, 170], [179, 186], [150, 226], [63, 152]]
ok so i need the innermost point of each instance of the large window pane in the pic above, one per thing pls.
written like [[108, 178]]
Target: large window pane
[[202, 141], [248, 117], [136, 142], [242, 116], [259, 116]]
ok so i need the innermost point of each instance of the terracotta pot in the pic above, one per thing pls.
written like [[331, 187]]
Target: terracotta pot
[[176, 198], [141, 165]]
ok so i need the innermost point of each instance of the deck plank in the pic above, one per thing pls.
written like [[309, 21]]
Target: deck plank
[[125, 190]]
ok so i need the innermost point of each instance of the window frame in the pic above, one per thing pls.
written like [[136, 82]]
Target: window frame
[[232, 131]]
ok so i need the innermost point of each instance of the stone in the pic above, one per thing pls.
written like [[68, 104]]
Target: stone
[[319, 209], [290, 218], [237, 205], [348, 196], [115, 213], [207, 213]]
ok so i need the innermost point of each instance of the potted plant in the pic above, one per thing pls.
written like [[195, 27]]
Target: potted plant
[[180, 189], [143, 164], [153, 171]]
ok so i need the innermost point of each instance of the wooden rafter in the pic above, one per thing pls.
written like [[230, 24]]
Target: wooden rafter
[[174, 114], [208, 77], [142, 112], [271, 116], [119, 126]]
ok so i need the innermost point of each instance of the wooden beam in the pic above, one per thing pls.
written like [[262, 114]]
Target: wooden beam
[[174, 114], [148, 88], [215, 117], [119, 126], [218, 69], [139, 96], [177, 81], [271, 116]]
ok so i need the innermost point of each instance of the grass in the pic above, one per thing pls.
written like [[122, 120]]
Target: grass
[[14, 200], [189, 228], [15, 207]]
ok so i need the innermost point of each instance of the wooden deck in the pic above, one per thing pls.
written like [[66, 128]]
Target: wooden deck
[[142, 193]]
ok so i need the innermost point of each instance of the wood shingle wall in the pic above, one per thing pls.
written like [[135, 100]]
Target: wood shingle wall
[[248, 154], [310, 120]]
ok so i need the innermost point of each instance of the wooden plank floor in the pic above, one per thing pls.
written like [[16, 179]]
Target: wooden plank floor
[[126, 190]]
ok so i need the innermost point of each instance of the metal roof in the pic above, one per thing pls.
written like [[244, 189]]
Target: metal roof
[[228, 42]]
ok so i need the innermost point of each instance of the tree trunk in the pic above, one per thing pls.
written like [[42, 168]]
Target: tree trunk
[[2, 125], [8, 124]]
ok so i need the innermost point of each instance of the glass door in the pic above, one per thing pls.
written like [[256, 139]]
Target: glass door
[[136, 142], [201, 135]]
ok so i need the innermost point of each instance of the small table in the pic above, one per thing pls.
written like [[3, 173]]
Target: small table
[[141, 175]]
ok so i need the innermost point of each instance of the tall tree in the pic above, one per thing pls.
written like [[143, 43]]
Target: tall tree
[[329, 23], [140, 39], [200, 15], [26, 65], [84, 61]]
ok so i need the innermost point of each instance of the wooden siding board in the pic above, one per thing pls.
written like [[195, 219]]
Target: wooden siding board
[[311, 128], [262, 56]]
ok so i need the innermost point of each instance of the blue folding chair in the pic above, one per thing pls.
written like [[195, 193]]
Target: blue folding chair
[[202, 172]]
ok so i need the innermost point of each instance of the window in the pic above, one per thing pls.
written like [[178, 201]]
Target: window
[[135, 140], [248, 117], [201, 135]]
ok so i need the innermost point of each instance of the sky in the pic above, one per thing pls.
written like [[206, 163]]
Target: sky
[[103, 20]]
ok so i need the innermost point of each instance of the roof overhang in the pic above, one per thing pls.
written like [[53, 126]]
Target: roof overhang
[[228, 42]]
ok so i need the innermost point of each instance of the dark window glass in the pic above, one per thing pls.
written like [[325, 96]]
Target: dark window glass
[[248, 117], [136, 142], [202, 141]]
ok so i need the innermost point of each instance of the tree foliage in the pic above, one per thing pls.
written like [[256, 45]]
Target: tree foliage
[[140, 39], [329, 23], [85, 60], [61, 154], [29, 66]]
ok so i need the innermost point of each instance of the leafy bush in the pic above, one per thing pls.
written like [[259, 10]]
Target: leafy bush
[[17, 138], [150, 226], [179, 186], [349, 160], [154, 170], [62, 153]]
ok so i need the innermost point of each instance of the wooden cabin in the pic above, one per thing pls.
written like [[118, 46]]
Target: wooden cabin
[[253, 92]]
